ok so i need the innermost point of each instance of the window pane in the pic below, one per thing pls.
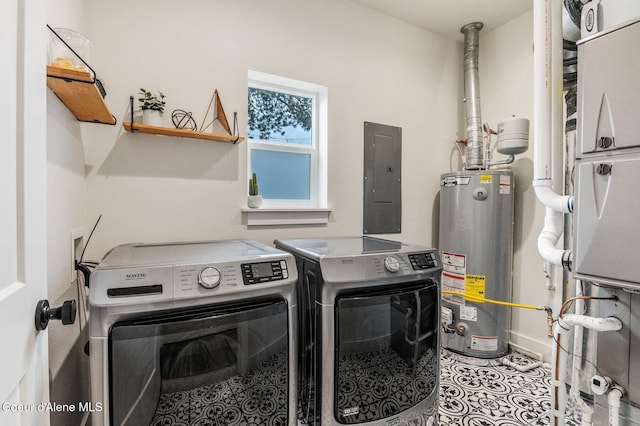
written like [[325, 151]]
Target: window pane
[[279, 117], [282, 175]]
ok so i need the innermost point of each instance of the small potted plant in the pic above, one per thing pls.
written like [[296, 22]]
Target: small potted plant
[[152, 107], [255, 199]]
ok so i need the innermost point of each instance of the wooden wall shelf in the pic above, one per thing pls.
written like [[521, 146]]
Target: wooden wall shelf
[[180, 133], [79, 92]]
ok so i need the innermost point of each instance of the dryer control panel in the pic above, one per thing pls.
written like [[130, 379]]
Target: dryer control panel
[[262, 272], [423, 260]]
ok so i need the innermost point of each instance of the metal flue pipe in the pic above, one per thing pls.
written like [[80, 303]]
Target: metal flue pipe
[[475, 145]]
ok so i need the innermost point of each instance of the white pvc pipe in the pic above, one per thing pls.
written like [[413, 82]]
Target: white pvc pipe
[[541, 91], [615, 395], [521, 368], [558, 389], [547, 120], [549, 237], [547, 196], [586, 417], [591, 323], [585, 410], [559, 357]]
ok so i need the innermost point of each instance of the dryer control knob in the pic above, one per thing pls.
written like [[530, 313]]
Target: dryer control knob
[[209, 277], [392, 264]]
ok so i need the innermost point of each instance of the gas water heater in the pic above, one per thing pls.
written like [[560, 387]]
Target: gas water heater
[[476, 226], [476, 244]]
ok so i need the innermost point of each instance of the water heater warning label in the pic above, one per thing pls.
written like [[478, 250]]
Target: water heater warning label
[[454, 262], [505, 184], [484, 343], [474, 285], [454, 267]]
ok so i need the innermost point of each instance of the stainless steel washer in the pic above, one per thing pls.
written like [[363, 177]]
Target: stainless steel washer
[[369, 331], [194, 333]]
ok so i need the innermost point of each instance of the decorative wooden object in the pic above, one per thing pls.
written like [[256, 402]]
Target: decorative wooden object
[[218, 113], [180, 133]]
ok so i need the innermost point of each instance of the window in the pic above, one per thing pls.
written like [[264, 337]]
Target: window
[[287, 141]]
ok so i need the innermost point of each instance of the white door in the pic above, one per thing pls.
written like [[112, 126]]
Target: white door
[[23, 351]]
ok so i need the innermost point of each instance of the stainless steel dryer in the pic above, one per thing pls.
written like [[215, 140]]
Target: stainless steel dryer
[[194, 333], [369, 331]]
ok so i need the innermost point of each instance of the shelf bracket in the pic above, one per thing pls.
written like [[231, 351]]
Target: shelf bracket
[[131, 110]]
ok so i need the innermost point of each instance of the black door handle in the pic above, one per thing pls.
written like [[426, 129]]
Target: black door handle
[[65, 313], [603, 169]]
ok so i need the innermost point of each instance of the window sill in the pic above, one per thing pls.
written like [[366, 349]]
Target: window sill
[[277, 217]]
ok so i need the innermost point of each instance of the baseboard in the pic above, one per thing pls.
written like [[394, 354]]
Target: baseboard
[[531, 347]]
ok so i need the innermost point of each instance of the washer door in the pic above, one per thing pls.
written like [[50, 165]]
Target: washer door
[[222, 364], [386, 352]]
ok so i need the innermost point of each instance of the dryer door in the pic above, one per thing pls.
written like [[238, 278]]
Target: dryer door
[[218, 364], [386, 351]]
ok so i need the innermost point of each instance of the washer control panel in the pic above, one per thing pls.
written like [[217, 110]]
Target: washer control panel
[[262, 272], [423, 261]]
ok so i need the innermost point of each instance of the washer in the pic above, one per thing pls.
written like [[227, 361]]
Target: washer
[[198, 332], [369, 348]]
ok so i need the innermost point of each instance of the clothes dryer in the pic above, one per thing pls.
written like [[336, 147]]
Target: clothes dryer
[[369, 345], [194, 333]]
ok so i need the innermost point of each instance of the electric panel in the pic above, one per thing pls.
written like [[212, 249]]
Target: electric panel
[[382, 179]]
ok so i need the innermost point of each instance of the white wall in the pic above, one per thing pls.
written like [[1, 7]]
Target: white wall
[[66, 173], [506, 87], [376, 68], [66, 212]]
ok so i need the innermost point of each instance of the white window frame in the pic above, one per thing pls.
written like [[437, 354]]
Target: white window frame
[[317, 149]]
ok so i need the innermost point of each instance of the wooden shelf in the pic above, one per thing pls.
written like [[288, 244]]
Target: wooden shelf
[[78, 91], [180, 133]]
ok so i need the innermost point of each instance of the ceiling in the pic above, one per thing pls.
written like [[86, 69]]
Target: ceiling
[[446, 17]]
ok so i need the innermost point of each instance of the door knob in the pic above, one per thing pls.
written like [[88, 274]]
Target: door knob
[[65, 313]]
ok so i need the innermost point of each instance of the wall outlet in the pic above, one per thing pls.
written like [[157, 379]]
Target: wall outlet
[[77, 245]]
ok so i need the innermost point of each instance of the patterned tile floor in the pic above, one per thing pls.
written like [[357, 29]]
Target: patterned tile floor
[[381, 384], [473, 392], [476, 392], [246, 399]]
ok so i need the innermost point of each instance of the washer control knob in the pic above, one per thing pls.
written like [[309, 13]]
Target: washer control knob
[[392, 264], [209, 277]]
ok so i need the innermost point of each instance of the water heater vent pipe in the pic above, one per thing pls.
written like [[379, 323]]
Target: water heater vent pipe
[[475, 145]]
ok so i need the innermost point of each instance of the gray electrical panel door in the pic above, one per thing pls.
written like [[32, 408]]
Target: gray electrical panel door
[[382, 182]]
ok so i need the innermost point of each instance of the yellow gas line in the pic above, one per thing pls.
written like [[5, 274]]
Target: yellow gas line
[[495, 302], [513, 305]]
